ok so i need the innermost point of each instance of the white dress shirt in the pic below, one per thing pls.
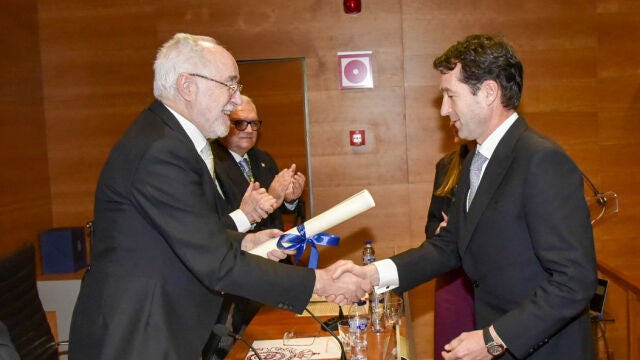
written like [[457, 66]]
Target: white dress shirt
[[199, 141], [387, 270]]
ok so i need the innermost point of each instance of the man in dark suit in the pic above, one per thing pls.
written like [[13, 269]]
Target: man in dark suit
[[524, 238], [239, 165], [239, 146], [160, 256]]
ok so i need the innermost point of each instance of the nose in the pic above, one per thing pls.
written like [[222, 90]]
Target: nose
[[249, 128], [236, 99], [445, 108]]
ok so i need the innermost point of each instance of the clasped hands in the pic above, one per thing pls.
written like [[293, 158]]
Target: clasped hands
[[345, 282]]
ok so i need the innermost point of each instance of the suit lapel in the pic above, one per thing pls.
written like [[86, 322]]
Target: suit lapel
[[258, 168], [167, 117], [229, 174], [493, 174]]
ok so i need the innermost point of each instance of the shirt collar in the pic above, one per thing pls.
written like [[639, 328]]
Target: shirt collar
[[238, 157], [198, 140], [487, 148]]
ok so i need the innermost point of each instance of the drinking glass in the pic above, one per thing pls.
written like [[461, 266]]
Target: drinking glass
[[392, 310]]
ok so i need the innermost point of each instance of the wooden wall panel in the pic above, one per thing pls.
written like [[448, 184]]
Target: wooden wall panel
[[277, 89], [582, 88], [97, 62], [25, 200]]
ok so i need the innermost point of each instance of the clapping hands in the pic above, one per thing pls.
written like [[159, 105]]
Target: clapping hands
[[257, 204], [287, 185]]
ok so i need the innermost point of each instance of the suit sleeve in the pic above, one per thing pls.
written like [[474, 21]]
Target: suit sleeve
[[169, 189]]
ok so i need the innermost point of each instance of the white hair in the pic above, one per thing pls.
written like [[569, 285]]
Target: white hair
[[183, 53]]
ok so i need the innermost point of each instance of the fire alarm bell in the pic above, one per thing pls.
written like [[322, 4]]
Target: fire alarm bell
[[356, 137]]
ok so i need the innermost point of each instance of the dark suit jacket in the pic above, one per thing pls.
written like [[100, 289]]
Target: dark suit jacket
[[234, 184], [527, 245], [160, 258]]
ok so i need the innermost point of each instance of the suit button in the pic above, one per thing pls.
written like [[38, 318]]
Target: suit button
[[476, 284]]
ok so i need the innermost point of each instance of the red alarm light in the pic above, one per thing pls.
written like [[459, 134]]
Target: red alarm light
[[352, 7]]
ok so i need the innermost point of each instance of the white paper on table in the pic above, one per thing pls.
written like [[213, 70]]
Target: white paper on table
[[345, 210], [324, 347]]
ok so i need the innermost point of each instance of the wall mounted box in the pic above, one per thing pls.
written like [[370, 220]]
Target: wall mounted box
[[63, 250]]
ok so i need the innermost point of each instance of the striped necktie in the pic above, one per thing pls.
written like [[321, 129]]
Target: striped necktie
[[246, 169], [475, 174]]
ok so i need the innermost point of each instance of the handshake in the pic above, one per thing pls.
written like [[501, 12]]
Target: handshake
[[344, 282]]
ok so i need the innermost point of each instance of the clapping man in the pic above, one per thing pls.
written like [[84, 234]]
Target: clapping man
[[160, 256]]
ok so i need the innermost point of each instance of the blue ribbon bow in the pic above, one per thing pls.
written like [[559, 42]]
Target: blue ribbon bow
[[299, 242]]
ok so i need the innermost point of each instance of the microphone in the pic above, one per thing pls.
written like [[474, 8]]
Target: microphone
[[332, 323], [343, 356], [222, 331]]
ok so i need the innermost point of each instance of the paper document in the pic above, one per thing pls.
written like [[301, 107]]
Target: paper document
[[345, 210], [325, 347]]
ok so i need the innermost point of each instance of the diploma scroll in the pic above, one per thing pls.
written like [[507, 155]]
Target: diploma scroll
[[345, 210]]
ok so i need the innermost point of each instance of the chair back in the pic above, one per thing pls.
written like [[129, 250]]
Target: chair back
[[21, 309]]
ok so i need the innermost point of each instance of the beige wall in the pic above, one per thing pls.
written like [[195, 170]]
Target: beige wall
[[582, 88]]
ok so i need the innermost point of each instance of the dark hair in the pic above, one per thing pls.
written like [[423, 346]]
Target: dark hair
[[453, 171], [482, 58]]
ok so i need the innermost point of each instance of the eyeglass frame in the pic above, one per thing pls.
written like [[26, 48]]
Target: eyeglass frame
[[233, 88], [255, 124]]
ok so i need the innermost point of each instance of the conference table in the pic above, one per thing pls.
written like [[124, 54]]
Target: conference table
[[271, 324]]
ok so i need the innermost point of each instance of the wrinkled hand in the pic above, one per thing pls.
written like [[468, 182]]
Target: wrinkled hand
[[256, 203], [443, 223], [297, 185], [281, 182], [343, 288], [467, 346], [254, 239]]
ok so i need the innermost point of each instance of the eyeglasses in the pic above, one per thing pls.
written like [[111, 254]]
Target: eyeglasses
[[241, 125], [233, 88]]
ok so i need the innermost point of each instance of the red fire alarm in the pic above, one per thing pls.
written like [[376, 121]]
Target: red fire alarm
[[356, 137], [352, 7]]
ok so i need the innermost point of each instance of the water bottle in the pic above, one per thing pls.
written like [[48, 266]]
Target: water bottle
[[376, 301], [368, 253], [358, 322]]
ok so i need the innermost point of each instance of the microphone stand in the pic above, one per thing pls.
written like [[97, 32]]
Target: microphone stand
[[238, 337], [343, 355], [222, 330], [332, 323]]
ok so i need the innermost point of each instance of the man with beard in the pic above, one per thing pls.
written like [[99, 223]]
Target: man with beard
[[160, 256]]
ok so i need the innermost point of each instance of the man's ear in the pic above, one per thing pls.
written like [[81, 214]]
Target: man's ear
[[491, 91], [187, 86]]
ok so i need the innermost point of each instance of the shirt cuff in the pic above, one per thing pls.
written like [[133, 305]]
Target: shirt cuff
[[291, 205], [388, 273], [240, 219]]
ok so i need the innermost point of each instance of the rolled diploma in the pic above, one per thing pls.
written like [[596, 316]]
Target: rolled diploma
[[345, 210]]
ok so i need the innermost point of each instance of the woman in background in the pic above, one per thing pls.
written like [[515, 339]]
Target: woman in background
[[454, 311]]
